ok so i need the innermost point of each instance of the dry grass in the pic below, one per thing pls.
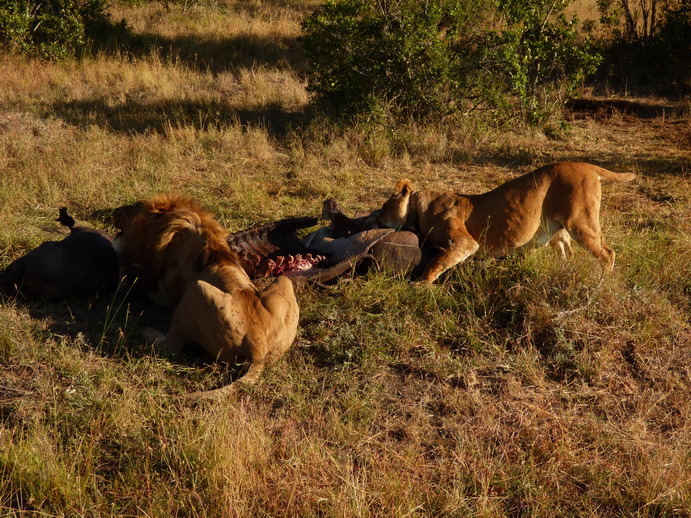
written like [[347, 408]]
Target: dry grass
[[523, 387]]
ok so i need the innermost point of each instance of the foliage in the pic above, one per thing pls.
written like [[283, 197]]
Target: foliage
[[670, 49], [424, 59], [402, 55], [541, 54], [52, 29], [648, 45], [632, 19]]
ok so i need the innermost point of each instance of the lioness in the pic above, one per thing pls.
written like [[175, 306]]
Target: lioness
[[552, 204], [184, 260]]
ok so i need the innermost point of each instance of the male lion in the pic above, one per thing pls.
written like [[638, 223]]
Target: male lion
[[184, 260], [550, 205]]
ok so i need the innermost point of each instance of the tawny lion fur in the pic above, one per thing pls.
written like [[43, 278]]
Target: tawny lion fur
[[185, 261], [551, 205]]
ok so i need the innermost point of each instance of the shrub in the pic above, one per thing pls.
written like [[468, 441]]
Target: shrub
[[540, 55], [651, 56], [428, 59], [670, 52], [403, 56], [51, 29]]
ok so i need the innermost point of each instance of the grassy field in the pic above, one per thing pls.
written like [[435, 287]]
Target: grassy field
[[529, 386]]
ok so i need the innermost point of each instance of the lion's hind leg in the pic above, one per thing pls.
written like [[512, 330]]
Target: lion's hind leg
[[550, 233], [561, 242], [590, 238], [283, 311], [276, 313]]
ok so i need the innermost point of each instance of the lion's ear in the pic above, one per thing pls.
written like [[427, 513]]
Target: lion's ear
[[404, 187]]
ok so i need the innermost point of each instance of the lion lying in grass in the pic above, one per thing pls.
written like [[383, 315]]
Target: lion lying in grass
[[184, 260], [551, 205]]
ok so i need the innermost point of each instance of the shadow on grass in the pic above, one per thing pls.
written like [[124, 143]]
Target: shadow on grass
[[111, 324], [641, 163], [670, 117], [604, 108], [137, 117], [216, 54], [197, 52], [220, 55]]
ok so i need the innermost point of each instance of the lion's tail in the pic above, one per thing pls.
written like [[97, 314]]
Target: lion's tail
[[616, 177], [230, 390]]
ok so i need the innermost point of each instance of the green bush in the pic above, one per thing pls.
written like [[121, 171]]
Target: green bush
[[402, 56], [428, 59], [51, 29], [670, 51], [540, 56]]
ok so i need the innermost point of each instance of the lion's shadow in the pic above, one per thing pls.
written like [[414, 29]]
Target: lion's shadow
[[110, 325]]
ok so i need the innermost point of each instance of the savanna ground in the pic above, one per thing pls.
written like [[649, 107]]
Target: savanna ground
[[523, 387]]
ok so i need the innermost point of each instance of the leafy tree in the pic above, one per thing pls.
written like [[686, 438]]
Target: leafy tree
[[397, 55], [649, 45]]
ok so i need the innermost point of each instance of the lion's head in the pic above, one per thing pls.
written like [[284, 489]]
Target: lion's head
[[169, 240], [394, 212]]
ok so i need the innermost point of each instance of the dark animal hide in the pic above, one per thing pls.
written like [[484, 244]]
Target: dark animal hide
[[344, 245], [82, 264], [342, 225]]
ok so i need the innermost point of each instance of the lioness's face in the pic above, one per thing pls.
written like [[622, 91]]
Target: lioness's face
[[394, 212]]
